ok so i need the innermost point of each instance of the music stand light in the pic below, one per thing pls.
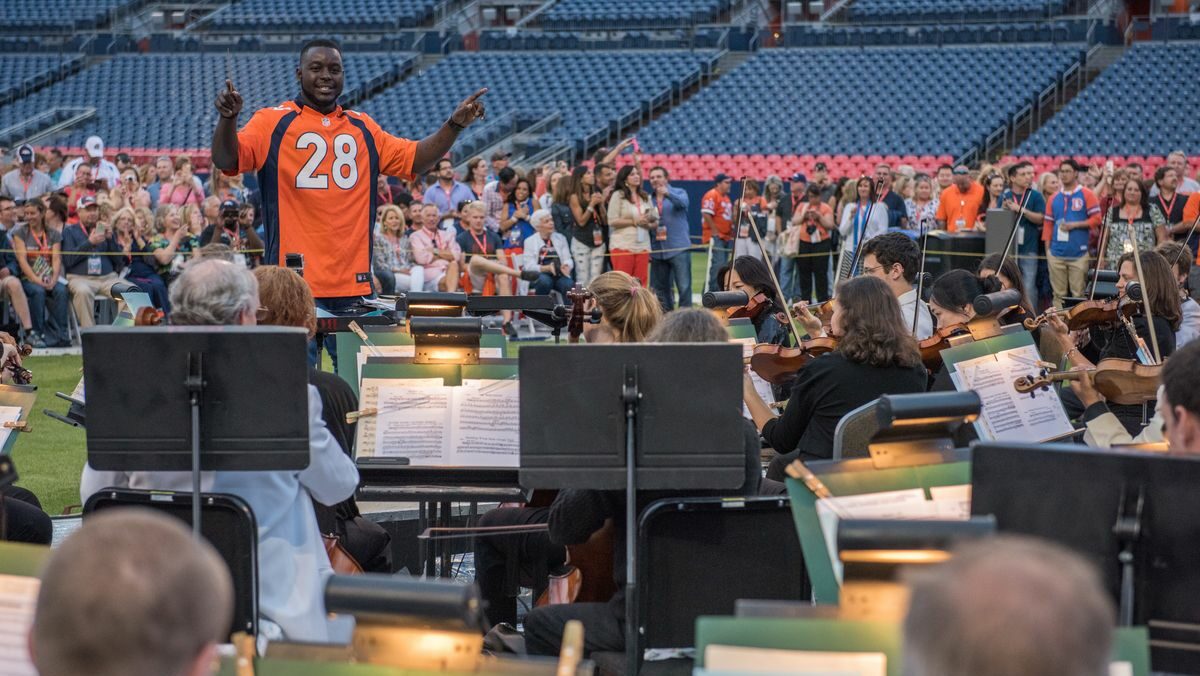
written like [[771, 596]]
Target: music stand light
[[918, 429], [423, 304], [446, 340]]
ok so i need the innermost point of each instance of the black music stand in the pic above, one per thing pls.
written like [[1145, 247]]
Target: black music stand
[[219, 398], [643, 417]]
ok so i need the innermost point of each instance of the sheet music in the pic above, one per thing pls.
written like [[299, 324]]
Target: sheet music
[[366, 442], [721, 659], [18, 600], [906, 504], [486, 424], [761, 386], [952, 502], [1008, 415], [413, 420], [8, 414], [1120, 669], [77, 393]]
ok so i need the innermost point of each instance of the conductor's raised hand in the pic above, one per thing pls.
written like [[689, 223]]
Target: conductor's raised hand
[[470, 109], [229, 101]]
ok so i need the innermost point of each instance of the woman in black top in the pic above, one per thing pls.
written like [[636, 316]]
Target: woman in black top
[[876, 355], [746, 273], [1008, 277]]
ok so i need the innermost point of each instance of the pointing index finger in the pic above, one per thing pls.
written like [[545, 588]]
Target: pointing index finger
[[476, 95], [229, 85]]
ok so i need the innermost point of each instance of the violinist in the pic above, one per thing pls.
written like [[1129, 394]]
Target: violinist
[[629, 313], [895, 258], [876, 354], [577, 514], [1008, 276], [751, 276], [1189, 309]]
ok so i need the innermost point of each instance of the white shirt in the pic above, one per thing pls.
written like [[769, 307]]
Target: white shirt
[[910, 304], [1189, 326], [533, 249], [292, 563], [107, 171]]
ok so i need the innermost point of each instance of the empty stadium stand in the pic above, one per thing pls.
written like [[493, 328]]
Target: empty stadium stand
[[923, 11], [57, 16], [22, 74], [165, 101], [916, 101], [321, 15], [623, 14], [1142, 104]]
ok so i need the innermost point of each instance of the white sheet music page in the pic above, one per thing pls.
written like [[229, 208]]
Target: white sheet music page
[[1008, 415], [721, 659], [762, 387], [18, 600], [486, 424], [413, 420]]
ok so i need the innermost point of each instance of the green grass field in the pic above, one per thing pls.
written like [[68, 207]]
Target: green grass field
[[50, 458]]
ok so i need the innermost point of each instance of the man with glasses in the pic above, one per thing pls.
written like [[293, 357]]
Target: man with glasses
[[895, 258], [1070, 216], [8, 214]]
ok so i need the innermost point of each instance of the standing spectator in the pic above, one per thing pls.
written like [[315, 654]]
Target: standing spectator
[[749, 209], [123, 161], [1136, 218], [1180, 258], [716, 211], [670, 257], [560, 206], [862, 219], [8, 214], [1177, 160], [230, 232], [810, 238], [993, 187], [136, 244], [788, 239], [829, 189], [631, 217], [897, 215], [477, 176], [1166, 197], [83, 186], [495, 197], [922, 207], [25, 182], [547, 196], [447, 192], [589, 226], [54, 161], [944, 176], [10, 288], [437, 252], [1135, 172], [393, 256], [499, 164], [39, 261], [903, 186], [95, 270], [1069, 216], [162, 177], [102, 169], [184, 187], [383, 190], [959, 204], [225, 187], [548, 254], [1030, 209]]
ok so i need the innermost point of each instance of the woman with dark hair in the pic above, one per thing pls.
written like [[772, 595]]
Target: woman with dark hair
[[876, 354], [560, 206], [862, 219], [631, 219], [751, 275], [993, 192], [1009, 277], [515, 227], [589, 230], [1136, 217]]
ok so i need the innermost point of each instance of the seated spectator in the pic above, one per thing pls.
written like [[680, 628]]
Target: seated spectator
[[436, 250], [104, 172], [513, 224], [8, 214], [39, 264], [129, 192], [393, 255], [172, 242], [293, 565], [25, 182], [287, 301], [1008, 605], [136, 243], [163, 168], [192, 218], [56, 213], [184, 188], [97, 268], [216, 250], [231, 232], [226, 188], [477, 240], [83, 186], [548, 253], [131, 592]]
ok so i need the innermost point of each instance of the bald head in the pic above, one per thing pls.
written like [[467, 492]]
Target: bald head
[[1008, 606], [131, 592], [214, 292]]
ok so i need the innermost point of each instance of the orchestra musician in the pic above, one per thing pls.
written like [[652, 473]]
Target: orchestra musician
[[576, 514], [628, 313], [1006, 272], [876, 354], [1189, 309], [895, 258], [749, 274]]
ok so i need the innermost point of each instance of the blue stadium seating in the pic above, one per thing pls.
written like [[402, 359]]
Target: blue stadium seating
[[158, 100], [921, 101], [19, 73], [591, 14], [834, 35], [55, 16], [1143, 104], [592, 90], [325, 15], [924, 11]]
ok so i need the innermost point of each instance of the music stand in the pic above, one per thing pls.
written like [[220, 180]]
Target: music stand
[[220, 398], [643, 417], [1132, 514]]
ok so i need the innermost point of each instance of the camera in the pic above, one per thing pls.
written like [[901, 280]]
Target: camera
[[812, 229], [294, 262]]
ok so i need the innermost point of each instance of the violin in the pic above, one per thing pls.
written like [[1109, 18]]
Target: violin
[[1121, 381], [1088, 313], [979, 328], [752, 309], [777, 364], [20, 374], [578, 295], [148, 316]]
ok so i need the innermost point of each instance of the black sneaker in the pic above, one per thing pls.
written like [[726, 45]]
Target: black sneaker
[[510, 330], [530, 275]]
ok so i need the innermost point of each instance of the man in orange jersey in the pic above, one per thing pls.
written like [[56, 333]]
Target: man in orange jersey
[[318, 165]]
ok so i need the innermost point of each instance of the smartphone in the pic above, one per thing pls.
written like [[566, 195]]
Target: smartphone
[[1108, 167], [636, 148]]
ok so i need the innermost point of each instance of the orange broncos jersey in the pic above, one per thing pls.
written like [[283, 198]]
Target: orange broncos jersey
[[317, 174]]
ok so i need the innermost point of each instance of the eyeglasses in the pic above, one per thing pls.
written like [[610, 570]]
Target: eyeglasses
[[872, 270]]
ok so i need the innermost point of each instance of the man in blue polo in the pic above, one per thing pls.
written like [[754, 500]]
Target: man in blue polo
[[670, 260]]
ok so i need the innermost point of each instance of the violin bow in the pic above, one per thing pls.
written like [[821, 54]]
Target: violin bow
[[787, 308], [1137, 263], [920, 276], [1191, 232], [1012, 236], [1104, 228]]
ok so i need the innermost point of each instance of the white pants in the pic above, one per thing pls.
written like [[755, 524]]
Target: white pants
[[589, 261], [413, 281]]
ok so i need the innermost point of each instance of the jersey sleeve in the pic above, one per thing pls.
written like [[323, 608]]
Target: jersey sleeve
[[708, 205], [396, 154], [254, 141]]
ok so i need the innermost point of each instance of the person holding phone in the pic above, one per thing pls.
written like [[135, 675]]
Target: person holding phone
[[93, 265], [38, 251]]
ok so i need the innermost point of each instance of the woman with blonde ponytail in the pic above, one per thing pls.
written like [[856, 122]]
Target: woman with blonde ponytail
[[629, 312]]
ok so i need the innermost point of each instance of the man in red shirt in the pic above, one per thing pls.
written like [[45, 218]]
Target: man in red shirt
[[717, 211]]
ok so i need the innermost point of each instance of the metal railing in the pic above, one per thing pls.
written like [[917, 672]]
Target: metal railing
[[44, 124]]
